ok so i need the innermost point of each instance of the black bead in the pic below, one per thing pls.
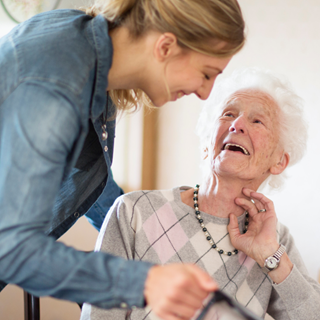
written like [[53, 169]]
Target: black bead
[[221, 251], [247, 215], [195, 198], [214, 246], [229, 253], [235, 251], [200, 220], [195, 192], [208, 238], [196, 205], [244, 231], [246, 223], [197, 186], [197, 212], [204, 229]]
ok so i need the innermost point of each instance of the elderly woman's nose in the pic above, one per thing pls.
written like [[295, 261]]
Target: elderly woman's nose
[[238, 126]]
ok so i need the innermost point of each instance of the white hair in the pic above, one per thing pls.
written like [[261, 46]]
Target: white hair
[[293, 128]]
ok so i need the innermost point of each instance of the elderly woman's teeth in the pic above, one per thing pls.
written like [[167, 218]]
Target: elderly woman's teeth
[[180, 95], [234, 147]]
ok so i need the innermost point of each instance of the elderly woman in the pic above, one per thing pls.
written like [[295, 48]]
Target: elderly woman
[[251, 129]]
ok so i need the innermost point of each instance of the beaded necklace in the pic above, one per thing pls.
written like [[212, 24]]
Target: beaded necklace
[[205, 230]]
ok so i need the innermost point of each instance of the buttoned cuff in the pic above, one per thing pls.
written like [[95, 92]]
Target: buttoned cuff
[[130, 283]]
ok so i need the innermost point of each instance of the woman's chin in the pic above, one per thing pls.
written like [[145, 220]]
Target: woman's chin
[[230, 170], [159, 102], [228, 164]]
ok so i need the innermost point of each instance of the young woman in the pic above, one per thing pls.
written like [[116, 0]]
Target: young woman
[[57, 137]]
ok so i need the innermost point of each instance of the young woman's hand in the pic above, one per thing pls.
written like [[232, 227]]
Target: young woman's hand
[[177, 291]]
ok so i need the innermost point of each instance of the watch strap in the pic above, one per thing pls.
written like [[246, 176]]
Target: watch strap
[[277, 255], [279, 252]]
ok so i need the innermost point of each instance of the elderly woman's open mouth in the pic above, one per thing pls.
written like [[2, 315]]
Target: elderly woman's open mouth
[[235, 147]]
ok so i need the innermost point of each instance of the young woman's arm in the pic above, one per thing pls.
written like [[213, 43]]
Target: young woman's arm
[[38, 129]]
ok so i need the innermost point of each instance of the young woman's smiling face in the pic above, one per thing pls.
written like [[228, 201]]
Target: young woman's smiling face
[[245, 142], [193, 72], [183, 73]]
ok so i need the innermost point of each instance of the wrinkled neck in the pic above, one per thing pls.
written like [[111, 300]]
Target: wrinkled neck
[[217, 196]]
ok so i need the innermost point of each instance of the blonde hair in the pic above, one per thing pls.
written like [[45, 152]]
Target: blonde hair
[[197, 24]]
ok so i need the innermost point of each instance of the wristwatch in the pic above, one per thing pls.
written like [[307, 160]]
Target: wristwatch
[[272, 262]]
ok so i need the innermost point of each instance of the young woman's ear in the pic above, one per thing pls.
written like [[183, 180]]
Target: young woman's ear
[[166, 46], [281, 165]]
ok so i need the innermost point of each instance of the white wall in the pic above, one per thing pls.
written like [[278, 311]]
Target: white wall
[[283, 35]]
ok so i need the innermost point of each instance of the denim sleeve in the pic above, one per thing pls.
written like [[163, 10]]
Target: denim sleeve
[[38, 130], [99, 209]]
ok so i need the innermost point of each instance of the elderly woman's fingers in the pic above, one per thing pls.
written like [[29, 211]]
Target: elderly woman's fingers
[[261, 201], [259, 206], [247, 205]]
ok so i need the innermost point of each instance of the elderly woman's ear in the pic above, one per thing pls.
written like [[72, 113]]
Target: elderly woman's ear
[[281, 165]]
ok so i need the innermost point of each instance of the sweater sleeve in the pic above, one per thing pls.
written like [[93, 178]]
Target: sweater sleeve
[[298, 296], [117, 236]]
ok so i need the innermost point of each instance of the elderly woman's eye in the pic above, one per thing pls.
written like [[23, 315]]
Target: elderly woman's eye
[[228, 114], [257, 121], [207, 77]]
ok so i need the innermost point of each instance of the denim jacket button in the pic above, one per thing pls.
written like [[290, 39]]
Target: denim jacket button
[[104, 136], [123, 305], [105, 149], [76, 214]]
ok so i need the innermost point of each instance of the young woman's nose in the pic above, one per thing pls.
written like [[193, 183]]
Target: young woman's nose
[[204, 91], [238, 126]]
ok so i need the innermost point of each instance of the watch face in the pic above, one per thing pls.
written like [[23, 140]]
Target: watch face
[[20, 10], [271, 263]]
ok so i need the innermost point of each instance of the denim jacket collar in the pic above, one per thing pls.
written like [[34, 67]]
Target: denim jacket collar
[[104, 51]]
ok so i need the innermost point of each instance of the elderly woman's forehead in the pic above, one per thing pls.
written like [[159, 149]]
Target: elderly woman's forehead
[[252, 94]]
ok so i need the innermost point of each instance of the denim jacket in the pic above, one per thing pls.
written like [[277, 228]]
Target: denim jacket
[[55, 156]]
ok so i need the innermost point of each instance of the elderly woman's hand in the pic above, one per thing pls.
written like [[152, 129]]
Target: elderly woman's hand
[[260, 240]]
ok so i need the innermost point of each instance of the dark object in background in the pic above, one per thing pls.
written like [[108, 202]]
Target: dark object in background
[[223, 307], [31, 307]]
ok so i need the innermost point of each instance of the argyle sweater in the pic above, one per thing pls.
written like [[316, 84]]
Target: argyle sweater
[[157, 226]]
